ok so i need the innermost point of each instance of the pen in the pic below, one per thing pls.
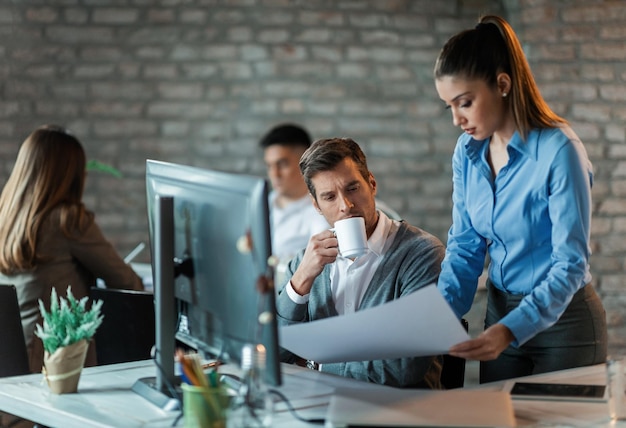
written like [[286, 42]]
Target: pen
[[196, 367], [186, 369], [138, 249], [183, 376]]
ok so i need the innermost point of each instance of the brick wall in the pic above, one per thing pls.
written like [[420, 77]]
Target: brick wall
[[578, 54], [199, 82]]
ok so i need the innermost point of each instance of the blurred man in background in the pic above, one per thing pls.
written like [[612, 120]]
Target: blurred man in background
[[293, 218]]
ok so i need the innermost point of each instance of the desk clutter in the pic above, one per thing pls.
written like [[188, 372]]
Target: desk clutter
[[105, 399], [205, 401]]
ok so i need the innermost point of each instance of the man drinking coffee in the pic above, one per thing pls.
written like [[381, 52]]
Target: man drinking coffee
[[400, 260]]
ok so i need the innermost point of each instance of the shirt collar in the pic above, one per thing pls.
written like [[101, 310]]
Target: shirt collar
[[377, 240], [528, 147], [475, 148]]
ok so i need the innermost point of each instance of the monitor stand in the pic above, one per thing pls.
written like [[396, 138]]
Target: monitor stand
[[147, 388], [163, 390]]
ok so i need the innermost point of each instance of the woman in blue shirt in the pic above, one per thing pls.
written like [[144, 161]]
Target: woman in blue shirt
[[522, 194]]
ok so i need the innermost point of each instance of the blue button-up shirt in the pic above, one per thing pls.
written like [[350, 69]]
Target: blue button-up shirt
[[533, 219]]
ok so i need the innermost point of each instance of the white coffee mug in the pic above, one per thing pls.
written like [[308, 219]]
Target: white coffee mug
[[351, 235]]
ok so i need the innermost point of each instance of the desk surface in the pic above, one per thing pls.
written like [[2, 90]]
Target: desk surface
[[563, 413], [105, 399]]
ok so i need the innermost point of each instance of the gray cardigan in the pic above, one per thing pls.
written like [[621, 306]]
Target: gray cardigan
[[411, 262]]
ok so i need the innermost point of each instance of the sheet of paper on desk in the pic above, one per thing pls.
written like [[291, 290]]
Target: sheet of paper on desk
[[419, 324], [412, 408]]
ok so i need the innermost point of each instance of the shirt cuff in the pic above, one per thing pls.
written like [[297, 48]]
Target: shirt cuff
[[295, 297], [522, 328]]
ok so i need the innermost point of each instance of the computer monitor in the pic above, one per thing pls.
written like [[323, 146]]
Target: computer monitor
[[205, 283]]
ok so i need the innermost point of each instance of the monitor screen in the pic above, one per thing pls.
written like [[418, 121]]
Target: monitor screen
[[218, 307]]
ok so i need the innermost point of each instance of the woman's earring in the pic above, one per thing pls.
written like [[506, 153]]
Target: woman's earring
[[504, 94]]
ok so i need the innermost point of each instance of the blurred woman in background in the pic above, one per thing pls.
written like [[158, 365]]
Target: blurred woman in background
[[49, 239]]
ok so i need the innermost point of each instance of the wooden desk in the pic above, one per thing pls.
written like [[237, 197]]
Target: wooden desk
[[105, 399]]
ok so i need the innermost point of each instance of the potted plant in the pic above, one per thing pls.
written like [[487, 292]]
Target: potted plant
[[66, 331]]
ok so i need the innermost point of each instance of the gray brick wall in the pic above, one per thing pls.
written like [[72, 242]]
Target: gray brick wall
[[199, 82]]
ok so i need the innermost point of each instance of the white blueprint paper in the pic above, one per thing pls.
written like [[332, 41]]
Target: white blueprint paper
[[419, 324]]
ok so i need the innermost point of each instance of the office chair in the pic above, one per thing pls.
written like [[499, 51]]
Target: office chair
[[13, 354], [453, 371], [127, 331], [389, 212]]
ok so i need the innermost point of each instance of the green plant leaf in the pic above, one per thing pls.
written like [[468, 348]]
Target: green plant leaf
[[68, 321], [94, 165]]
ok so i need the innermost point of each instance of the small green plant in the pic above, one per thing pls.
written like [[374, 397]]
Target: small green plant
[[68, 321]]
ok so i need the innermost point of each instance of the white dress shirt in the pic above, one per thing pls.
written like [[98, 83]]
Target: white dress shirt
[[350, 278]]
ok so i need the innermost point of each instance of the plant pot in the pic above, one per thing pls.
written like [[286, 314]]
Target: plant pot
[[62, 369]]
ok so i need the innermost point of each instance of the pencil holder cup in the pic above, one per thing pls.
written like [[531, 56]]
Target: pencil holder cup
[[204, 407]]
